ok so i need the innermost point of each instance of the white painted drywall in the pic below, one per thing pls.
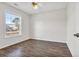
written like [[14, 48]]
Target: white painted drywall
[[70, 26], [25, 26], [50, 26], [73, 28]]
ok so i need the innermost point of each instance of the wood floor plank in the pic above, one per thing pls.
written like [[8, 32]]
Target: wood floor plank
[[36, 48]]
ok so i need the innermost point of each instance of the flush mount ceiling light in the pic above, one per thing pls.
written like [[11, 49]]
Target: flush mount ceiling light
[[34, 5]]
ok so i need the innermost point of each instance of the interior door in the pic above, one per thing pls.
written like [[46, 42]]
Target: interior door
[[76, 33]]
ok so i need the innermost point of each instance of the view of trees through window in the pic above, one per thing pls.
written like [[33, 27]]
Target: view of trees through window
[[13, 24]]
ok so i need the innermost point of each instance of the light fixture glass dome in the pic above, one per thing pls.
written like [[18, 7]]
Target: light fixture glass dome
[[35, 5]]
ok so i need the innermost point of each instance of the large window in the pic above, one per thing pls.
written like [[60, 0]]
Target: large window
[[13, 25]]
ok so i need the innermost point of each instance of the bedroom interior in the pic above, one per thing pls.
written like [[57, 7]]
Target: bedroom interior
[[39, 29]]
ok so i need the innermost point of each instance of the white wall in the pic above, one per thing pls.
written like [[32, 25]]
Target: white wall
[[25, 26], [73, 28], [70, 26], [49, 26]]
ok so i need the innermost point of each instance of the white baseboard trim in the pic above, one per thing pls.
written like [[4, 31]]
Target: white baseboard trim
[[48, 40], [16, 42], [70, 49], [24, 39]]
